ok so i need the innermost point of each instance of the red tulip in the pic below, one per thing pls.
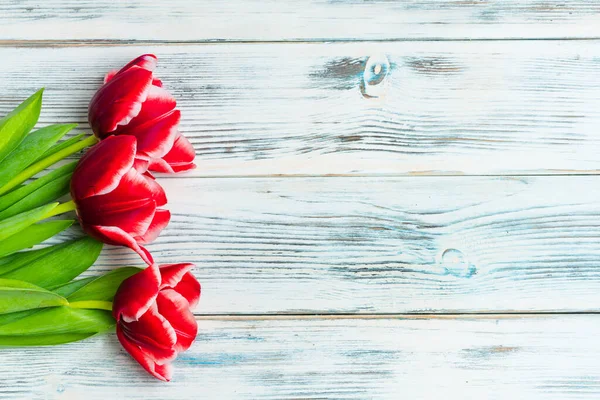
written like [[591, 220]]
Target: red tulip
[[154, 318], [133, 102], [116, 203]]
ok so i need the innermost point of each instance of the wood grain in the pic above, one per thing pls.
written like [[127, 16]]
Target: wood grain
[[432, 108], [370, 91], [554, 357], [384, 245], [272, 20]]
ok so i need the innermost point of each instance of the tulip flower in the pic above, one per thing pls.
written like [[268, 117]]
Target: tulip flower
[[115, 202], [133, 102], [154, 318]]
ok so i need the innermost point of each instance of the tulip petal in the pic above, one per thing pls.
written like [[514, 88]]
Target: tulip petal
[[179, 278], [110, 75], [100, 170], [160, 165], [141, 164], [155, 137], [182, 152], [133, 217], [157, 191], [189, 287], [117, 236], [180, 158], [158, 103], [158, 356], [162, 372], [133, 187], [130, 206], [154, 334], [171, 274], [145, 61], [136, 294], [160, 222], [118, 101], [176, 309], [165, 371]]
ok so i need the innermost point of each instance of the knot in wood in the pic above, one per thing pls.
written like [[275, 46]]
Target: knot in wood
[[456, 263], [376, 69]]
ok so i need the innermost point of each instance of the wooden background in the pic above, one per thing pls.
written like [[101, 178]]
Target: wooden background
[[394, 199]]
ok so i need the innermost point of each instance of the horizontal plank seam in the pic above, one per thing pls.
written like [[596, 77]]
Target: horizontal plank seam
[[372, 175], [134, 42], [324, 316]]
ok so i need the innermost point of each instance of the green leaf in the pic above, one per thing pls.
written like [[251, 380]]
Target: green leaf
[[33, 235], [11, 198], [103, 287], [17, 223], [15, 316], [45, 194], [65, 262], [60, 320], [43, 340], [18, 260], [42, 164], [19, 296], [33, 146], [62, 145], [18, 123], [67, 289]]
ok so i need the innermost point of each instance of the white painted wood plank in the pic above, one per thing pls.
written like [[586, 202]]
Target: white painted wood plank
[[297, 20], [525, 107], [384, 245], [553, 357]]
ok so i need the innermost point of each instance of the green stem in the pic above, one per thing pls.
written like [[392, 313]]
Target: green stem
[[41, 165], [61, 209], [92, 304]]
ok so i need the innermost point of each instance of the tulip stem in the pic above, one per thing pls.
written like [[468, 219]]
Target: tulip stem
[[42, 164], [92, 304], [61, 209]]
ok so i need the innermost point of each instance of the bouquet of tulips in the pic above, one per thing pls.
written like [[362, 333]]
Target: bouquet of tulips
[[117, 201]]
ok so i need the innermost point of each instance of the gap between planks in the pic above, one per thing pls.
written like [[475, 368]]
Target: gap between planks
[[133, 42], [416, 174], [412, 316]]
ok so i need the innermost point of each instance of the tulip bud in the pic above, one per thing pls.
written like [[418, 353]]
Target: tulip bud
[[133, 102], [115, 203], [154, 315]]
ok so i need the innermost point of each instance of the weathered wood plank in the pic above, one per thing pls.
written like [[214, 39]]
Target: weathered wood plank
[[553, 357], [193, 20], [443, 108], [384, 245]]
